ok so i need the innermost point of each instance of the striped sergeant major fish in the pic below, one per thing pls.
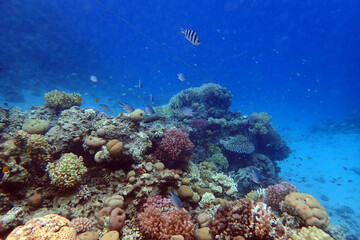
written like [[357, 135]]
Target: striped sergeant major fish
[[191, 35]]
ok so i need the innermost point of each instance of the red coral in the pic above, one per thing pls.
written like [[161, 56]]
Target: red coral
[[275, 194], [174, 146], [159, 224]]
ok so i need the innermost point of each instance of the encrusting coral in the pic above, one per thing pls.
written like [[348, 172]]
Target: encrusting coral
[[308, 208], [67, 171]]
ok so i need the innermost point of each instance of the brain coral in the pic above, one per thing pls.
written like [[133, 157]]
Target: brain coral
[[51, 226], [62, 100], [245, 219], [175, 146], [308, 208], [67, 172]]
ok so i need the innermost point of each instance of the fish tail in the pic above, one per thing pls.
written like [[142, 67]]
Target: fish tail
[[182, 30]]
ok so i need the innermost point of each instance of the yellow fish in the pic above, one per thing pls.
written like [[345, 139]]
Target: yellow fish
[[121, 114]]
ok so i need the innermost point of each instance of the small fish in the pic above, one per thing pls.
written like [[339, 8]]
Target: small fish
[[112, 111], [191, 35], [255, 177], [127, 107], [121, 114], [187, 111], [96, 99], [151, 97], [94, 79], [140, 83], [104, 107], [6, 104], [175, 200], [5, 169], [149, 110], [181, 77], [308, 158]]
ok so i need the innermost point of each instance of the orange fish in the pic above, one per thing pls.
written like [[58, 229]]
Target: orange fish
[[5, 169], [121, 114], [112, 111], [96, 99]]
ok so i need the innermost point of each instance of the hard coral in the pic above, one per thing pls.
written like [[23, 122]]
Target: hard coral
[[311, 233], [51, 226], [238, 144], [245, 219], [175, 146], [275, 194], [159, 224], [308, 208], [62, 100], [67, 172]]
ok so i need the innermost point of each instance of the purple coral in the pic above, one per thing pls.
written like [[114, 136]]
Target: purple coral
[[174, 146], [200, 123], [275, 194], [158, 201]]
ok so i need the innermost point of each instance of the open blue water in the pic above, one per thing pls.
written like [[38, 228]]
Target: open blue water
[[297, 60]]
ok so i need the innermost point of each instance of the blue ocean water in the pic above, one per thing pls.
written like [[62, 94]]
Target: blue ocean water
[[297, 60]]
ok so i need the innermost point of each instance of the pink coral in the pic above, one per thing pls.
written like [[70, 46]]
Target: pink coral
[[174, 146], [159, 224], [275, 194], [158, 201]]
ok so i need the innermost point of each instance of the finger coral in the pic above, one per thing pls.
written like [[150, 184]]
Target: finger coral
[[174, 146], [245, 219], [162, 224]]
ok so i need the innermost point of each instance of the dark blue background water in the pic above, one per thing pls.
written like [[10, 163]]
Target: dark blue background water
[[294, 59]]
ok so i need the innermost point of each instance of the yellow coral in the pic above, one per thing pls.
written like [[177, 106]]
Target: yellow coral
[[311, 233], [67, 172], [62, 100]]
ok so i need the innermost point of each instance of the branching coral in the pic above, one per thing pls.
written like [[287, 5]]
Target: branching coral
[[238, 144], [67, 172], [163, 225], [175, 146], [245, 219], [62, 100], [260, 122], [275, 194]]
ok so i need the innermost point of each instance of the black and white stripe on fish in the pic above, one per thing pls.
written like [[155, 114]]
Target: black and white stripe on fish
[[191, 35]]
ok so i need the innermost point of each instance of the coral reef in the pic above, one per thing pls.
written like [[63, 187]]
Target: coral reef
[[311, 233], [122, 177]]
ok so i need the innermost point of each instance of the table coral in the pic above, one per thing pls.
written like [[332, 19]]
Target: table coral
[[67, 171], [308, 208], [51, 226], [245, 219]]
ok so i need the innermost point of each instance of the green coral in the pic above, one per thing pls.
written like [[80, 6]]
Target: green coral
[[219, 160], [67, 172], [62, 100], [262, 122]]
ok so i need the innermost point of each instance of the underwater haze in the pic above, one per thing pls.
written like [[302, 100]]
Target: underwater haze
[[290, 67]]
